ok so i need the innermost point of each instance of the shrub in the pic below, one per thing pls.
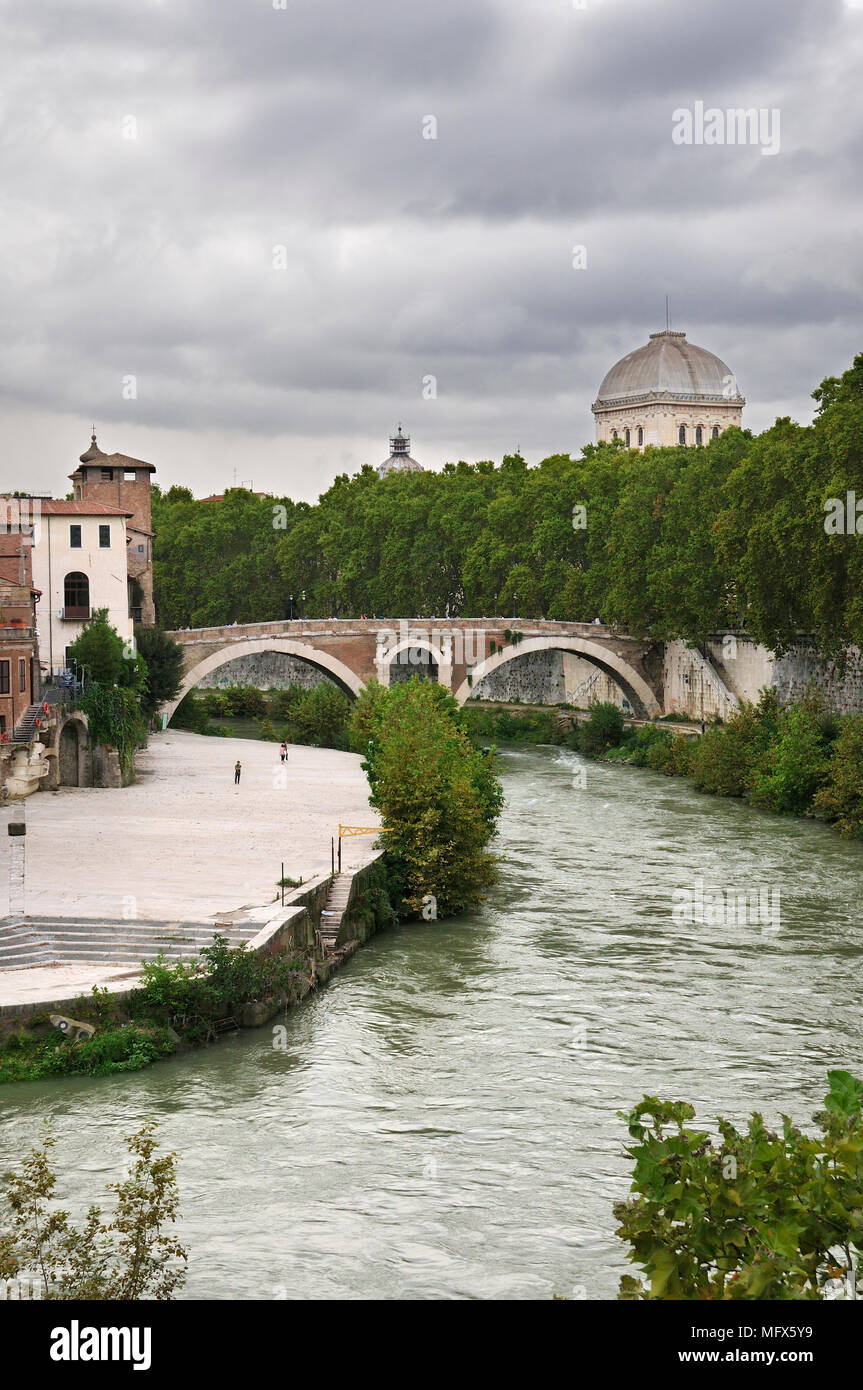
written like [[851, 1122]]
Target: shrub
[[840, 800], [191, 996], [320, 718], [130, 1257], [724, 759], [529, 726], [660, 754], [647, 738], [281, 703], [794, 765], [604, 729], [761, 1215]]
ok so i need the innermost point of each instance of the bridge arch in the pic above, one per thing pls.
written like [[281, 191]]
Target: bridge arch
[[435, 657], [343, 676], [633, 685]]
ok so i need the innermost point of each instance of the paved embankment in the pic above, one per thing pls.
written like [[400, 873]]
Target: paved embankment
[[114, 876]]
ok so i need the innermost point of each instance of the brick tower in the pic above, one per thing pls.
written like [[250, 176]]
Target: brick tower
[[120, 481]]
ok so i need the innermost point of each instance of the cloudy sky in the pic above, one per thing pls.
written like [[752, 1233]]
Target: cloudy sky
[[228, 210]]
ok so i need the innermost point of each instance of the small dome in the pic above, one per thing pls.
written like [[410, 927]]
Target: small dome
[[93, 453], [669, 366], [399, 460]]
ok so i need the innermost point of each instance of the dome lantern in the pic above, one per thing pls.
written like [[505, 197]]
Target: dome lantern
[[400, 460]]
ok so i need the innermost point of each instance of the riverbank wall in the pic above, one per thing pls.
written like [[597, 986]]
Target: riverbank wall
[[293, 926]]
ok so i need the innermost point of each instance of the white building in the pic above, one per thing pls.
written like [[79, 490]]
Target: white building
[[79, 563], [667, 392]]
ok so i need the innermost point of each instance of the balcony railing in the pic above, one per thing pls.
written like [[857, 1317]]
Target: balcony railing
[[135, 612], [76, 613]]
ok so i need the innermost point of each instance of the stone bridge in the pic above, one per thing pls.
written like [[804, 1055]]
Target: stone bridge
[[458, 653]]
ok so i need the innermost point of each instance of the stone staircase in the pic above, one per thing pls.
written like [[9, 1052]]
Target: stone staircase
[[26, 726], [68, 941], [332, 914]]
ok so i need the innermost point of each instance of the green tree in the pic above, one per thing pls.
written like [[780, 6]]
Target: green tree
[[320, 718], [103, 655], [164, 660], [437, 795]]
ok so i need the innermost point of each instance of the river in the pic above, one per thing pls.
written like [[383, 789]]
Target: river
[[442, 1120]]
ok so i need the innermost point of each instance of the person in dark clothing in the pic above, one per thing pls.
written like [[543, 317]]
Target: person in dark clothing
[[238, 767], [703, 726]]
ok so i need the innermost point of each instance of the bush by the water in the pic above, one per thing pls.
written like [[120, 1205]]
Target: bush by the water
[[795, 759], [503, 725], [318, 716], [179, 1001], [763, 1214], [840, 799], [30, 1055], [192, 996], [603, 730]]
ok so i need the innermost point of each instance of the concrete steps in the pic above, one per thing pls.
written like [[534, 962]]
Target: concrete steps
[[68, 941], [332, 914]]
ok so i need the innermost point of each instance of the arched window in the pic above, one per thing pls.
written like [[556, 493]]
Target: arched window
[[699, 435], [626, 437], [614, 434], [76, 596], [715, 432], [640, 436], [681, 434]]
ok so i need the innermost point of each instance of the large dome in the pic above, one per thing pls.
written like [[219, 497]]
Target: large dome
[[670, 367]]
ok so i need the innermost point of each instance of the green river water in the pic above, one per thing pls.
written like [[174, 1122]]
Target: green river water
[[442, 1123]]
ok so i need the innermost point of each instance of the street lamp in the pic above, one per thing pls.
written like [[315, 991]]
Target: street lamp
[[303, 610]]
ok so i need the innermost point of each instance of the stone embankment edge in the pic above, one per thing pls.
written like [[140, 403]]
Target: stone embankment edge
[[295, 925]]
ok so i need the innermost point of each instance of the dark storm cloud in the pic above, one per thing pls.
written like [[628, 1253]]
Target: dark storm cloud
[[258, 128]]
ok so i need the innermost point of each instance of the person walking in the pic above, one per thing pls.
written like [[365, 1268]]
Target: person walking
[[284, 752], [238, 767], [703, 726]]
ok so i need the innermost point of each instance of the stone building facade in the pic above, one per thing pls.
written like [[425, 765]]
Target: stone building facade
[[123, 483], [20, 684]]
